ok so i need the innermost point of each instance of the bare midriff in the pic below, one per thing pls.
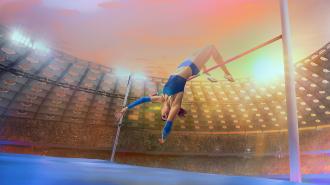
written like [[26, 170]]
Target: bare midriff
[[184, 71]]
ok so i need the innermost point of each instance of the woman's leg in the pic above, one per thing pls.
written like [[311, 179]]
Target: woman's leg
[[205, 54]]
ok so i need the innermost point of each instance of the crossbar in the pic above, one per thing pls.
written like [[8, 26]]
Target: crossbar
[[241, 55]]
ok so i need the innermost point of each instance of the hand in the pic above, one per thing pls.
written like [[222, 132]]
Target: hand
[[121, 113]]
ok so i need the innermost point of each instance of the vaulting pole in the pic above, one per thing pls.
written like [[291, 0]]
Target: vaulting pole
[[294, 151], [128, 88]]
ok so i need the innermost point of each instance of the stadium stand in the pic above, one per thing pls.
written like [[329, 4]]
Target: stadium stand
[[56, 102]]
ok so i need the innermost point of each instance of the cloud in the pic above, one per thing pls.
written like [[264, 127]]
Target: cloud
[[10, 10], [111, 4], [86, 6], [67, 12], [162, 31]]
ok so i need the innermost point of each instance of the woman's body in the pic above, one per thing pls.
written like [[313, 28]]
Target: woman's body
[[173, 91]]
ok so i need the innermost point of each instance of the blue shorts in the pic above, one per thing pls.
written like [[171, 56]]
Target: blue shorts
[[174, 84]]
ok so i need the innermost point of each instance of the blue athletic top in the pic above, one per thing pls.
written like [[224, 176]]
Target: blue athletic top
[[176, 83], [192, 66]]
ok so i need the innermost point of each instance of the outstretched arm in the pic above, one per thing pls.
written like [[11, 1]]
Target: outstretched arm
[[137, 102], [144, 99]]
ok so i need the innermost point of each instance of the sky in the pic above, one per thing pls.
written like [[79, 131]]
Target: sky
[[154, 36]]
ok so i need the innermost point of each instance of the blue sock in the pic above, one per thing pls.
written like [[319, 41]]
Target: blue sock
[[167, 129]]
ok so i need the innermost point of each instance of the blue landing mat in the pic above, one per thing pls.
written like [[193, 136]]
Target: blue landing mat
[[17, 169]]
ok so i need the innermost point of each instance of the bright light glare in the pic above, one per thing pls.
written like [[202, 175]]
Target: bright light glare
[[267, 70], [139, 76], [120, 72], [19, 38]]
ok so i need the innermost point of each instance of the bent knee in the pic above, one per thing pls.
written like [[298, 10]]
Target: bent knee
[[209, 48]]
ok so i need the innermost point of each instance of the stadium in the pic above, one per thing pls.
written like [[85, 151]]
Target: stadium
[[58, 120]]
